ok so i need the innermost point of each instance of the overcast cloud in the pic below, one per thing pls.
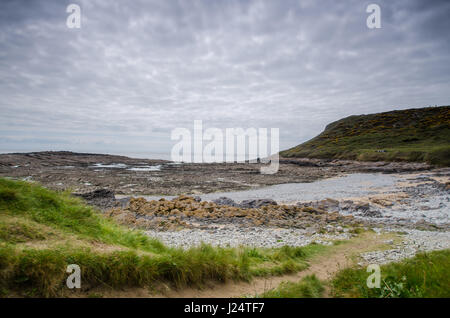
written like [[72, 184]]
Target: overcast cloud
[[137, 69]]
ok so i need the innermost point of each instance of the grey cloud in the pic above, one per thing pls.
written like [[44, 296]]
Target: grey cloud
[[137, 69]]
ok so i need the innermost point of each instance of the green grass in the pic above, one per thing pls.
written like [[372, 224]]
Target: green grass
[[286, 259], [425, 275], [66, 213], [419, 135], [43, 270], [15, 231], [307, 287], [42, 231]]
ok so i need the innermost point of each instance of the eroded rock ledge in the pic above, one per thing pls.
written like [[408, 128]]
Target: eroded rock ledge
[[188, 212]]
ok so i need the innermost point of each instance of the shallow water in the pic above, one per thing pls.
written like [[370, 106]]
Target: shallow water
[[111, 166], [124, 166], [429, 204], [146, 168], [353, 185]]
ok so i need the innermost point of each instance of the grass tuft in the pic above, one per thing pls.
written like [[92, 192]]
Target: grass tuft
[[307, 287], [425, 275]]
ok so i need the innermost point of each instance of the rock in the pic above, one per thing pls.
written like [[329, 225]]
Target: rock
[[349, 205], [372, 214], [265, 213], [346, 204], [301, 163], [183, 197], [225, 201], [363, 207], [382, 202], [102, 198], [123, 217], [249, 204], [97, 194], [328, 204], [312, 210], [123, 202]]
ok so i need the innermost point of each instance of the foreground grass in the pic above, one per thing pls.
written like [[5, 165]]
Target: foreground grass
[[307, 287], [41, 232], [427, 275], [66, 213]]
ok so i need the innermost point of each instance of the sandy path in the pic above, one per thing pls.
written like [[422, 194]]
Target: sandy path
[[323, 266]]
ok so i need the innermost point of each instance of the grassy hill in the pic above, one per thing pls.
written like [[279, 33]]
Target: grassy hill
[[421, 134], [42, 232]]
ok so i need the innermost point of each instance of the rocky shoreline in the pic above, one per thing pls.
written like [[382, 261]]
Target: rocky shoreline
[[189, 212], [347, 197], [82, 172], [233, 236], [413, 242]]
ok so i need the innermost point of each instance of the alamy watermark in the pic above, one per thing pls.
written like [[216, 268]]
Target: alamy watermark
[[74, 279], [374, 279], [73, 21], [229, 145], [374, 19]]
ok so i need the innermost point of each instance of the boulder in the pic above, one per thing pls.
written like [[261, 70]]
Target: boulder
[[102, 198], [326, 205], [97, 194], [363, 207], [225, 201], [250, 204], [372, 214], [354, 206]]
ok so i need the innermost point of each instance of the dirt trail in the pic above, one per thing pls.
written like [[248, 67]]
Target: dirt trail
[[323, 266]]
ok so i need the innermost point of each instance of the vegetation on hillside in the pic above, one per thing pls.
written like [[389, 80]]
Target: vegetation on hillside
[[421, 135], [42, 231]]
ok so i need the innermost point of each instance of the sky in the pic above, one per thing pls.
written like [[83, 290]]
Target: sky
[[136, 70]]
